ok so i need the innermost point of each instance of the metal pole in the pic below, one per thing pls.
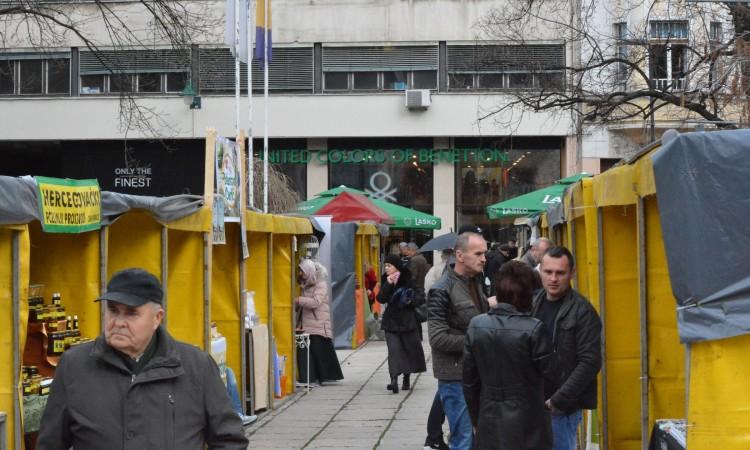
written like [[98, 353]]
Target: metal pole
[[643, 292], [250, 161], [16, 273], [602, 315], [103, 262], [271, 354], [237, 67], [165, 268], [243, 334], [265, 109], [206, 292]]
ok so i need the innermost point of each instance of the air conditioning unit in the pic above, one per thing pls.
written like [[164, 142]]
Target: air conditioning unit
[[417, 98]]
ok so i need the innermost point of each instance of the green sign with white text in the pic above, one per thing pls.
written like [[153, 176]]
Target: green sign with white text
[[380, 156]]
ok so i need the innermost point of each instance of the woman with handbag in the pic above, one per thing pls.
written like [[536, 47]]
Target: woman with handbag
[[400, 323], [314, 317]]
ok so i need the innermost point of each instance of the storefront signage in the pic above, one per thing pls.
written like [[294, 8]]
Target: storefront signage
[[69, 206], [383, 190], [132, 177], [379, 156]]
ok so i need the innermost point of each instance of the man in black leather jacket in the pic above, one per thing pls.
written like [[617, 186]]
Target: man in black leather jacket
[[576, 338], [453, 301]]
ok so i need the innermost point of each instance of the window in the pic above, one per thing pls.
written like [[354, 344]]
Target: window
[[380, 68], [31, 74], [669, 29], [336, 81], [365, 80], [395, 81], [134, 71], [176, 81], [668, 56], [7, 77], [424, 79], [149, 82], [92, 84], [58, 76], [500, 67], [715, 33], [621, 51]]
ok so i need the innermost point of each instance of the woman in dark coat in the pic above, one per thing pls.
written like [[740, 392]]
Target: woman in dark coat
[[508, 355], [400, 323]]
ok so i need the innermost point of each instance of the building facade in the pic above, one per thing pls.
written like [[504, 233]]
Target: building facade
[[400, 98]]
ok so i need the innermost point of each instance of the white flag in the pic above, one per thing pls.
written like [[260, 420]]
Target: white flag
[[229, 28]]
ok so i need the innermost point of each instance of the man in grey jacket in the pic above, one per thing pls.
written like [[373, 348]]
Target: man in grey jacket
[[453, 301], [135, 387]]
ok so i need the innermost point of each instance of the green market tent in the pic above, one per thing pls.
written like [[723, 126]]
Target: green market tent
[[533, 202], [404, 217]]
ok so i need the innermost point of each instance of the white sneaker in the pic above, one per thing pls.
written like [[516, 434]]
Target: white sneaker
[[247, 420]]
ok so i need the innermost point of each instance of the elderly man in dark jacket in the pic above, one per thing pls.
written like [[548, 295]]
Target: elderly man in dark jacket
[[576, 338], [135, 387], [453, 301]]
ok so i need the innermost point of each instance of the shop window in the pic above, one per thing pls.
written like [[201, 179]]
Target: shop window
[[149, 82], [336, 81], [6, 77], [365, 80], [30, 76], [395, 81], [58, 76], [424, 79]]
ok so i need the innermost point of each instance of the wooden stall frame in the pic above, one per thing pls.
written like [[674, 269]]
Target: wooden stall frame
[[271, 341], [643, 296], [103, 260], [603, 437]]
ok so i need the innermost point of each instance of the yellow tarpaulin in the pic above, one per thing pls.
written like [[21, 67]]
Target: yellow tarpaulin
[[134, 241], [255, 221], [291, 225], [719, 415], [185, 286], [6, 319], [283, 331], [225, 294], [666, 364]]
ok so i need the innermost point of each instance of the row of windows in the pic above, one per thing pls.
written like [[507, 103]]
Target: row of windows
[[342, 69]]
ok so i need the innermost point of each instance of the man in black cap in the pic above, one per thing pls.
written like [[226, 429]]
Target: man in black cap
[[135, 387]]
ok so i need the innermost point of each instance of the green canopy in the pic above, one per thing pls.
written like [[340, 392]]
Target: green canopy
[[404, 217], [534, 202], [407, 217]]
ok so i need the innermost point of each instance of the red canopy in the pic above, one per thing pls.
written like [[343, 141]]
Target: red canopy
[[347, 207]]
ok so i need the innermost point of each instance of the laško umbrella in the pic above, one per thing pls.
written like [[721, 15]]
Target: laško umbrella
[[347, 207], [533, 202], [403, 217]]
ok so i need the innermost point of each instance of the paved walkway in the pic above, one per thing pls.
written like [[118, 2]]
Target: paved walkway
[[355, 413]]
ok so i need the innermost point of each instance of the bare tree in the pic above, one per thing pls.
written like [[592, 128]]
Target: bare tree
[[633, 61], [101, 26]]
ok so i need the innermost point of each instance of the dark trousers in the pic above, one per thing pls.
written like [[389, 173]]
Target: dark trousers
[[435, 419]]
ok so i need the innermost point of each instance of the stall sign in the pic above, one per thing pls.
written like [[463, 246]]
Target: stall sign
[[69, 206], [228, 178]]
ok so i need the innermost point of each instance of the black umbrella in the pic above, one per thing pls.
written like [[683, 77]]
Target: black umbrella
[[439, 243]]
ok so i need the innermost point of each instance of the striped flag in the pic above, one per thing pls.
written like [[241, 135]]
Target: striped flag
[[260, 28]]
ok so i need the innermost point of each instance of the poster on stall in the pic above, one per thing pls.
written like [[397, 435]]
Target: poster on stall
[[69, 206], [228, 178], [219, 230]]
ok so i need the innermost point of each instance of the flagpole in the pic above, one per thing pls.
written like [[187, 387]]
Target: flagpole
[[265, 99], [236, 68], [250, 160]]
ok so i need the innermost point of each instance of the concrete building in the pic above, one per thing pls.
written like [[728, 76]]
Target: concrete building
[[392, 96]]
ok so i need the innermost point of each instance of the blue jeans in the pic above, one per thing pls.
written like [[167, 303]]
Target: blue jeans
[[565, 429], [234, 395], [452, 396]]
